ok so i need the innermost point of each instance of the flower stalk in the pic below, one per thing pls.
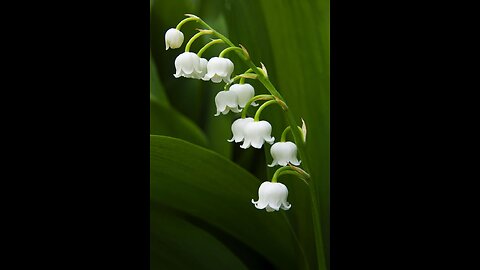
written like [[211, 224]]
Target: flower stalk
[[197, 35], [255, 98], [204, 48], [242, 78], [222, 53], [259, 111]]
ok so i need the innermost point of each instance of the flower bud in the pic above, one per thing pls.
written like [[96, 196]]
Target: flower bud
[[173, 38]]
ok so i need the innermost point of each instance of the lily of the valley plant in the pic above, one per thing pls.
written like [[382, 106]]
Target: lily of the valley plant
[[237, 98]]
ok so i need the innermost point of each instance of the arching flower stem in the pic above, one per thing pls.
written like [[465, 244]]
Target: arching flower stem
[[259, 111], [292, 170], [283, 170], [204, 48], [284, 134], [295, 174], [242, 79], [180, 24], [255, 98], [197, 35], [243, 76], [222, 53]]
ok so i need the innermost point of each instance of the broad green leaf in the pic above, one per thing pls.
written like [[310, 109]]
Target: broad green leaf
[[167, 121], [203, 184], [176, 243]]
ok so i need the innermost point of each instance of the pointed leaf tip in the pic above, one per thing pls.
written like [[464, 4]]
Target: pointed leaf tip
[[264, 69], [245, 51], [304, 131]]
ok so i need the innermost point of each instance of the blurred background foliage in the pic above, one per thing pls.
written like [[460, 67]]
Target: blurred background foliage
[[201, 185]]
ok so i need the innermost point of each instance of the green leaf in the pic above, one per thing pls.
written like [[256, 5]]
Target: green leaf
[[167, 121], [201, 183], [176, 243]]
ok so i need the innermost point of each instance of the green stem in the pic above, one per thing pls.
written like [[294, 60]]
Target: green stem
[[298, 141], [284, 133], [197, 35], [180, 24], [278, 172], [204, 48], [241, 77], [259, 111], [222, 53], [242, 80], [297, 174], [255, 98]]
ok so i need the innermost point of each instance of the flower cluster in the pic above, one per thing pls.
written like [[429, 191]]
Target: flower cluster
[[237, 98]]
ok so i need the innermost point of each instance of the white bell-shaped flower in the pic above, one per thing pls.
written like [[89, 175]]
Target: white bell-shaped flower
[[226, 101], [188, 65], [203, 68], [237, 129], [272, 197], [256, 133], [244, 93], [219, 69], [283, 153], [173, 38]]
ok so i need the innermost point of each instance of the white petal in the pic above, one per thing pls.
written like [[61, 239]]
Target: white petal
[[269, 140], [295, 162], [231, 99], [216, 79], [286, 206], [245, 145], [235, 109], [260, 204], [274, 163], [275, 205], [238, 127], [185, 63], [173, 38], [257, 143], [221, 101], [244, 93]]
